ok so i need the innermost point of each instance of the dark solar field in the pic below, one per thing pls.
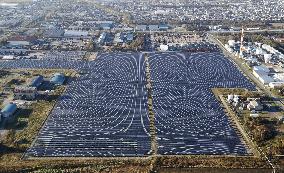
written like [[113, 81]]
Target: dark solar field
[[104, 112], [189, 119]]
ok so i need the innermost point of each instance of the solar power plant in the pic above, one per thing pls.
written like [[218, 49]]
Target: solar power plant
[[188, 118], [102, 113]]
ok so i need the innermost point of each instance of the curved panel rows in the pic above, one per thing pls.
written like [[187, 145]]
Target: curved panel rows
[[189, 120]]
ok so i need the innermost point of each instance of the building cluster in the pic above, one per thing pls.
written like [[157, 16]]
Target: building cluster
[[239, 104], [157, 27], [58, 26], [171, 41], [28, 92], [14, 16], [266, 62], [184, 10]]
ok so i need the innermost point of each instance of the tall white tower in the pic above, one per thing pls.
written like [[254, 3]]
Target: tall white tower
[[242, 41]]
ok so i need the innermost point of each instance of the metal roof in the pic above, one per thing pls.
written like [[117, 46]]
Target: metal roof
[[58, 78], [9, 108], [36, 82]]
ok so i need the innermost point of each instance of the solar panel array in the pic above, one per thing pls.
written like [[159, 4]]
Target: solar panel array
[[104, 112], [65, 55], [44, 64], [189, 119]]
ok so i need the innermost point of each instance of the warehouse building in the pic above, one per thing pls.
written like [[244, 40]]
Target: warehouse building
[[141, 27], [74, 33], [21, 40], [36, 81], [261, 73], [265, 79], [8, 110], [25, 93]]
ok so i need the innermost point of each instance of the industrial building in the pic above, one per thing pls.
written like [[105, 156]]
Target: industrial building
[[69, 33], [21, 40], [58, 79], [122, 37], [261, 73], [25, 93], [8, 110]]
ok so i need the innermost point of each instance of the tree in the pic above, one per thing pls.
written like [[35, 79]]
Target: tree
[[263, 133]]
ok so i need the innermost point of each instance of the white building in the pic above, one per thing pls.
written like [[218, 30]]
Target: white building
[[276, 84], [70, 33], [254, 105], [258, 51], [231, 43], [261, 73], [230, 98], [267, 58], [164, 47], [8, 57]]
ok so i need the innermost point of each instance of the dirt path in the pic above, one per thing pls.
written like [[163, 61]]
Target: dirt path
[[154, 145]]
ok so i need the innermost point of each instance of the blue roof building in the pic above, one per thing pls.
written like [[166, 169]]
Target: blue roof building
[[141, 27], [129, 37], [153, 27], [106, 26], [9, 110], [37, 81], [58, 79], [163, 27]]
